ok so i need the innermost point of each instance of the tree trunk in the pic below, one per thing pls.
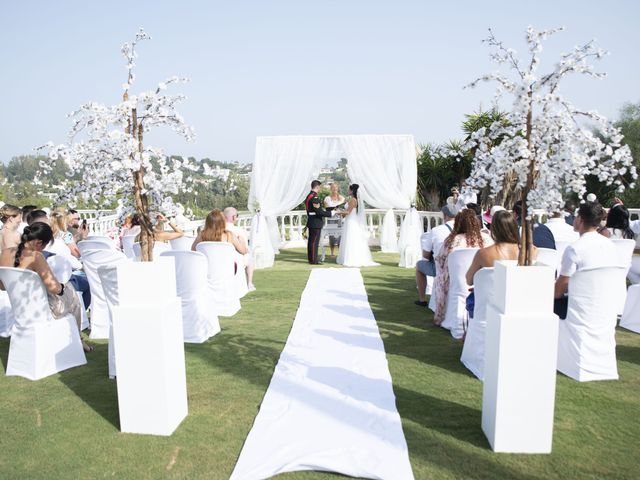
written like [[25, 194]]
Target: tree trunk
[[140, 199], [526, 238]]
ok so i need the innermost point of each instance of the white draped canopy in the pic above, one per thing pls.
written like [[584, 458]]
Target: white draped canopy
[[383, 165]]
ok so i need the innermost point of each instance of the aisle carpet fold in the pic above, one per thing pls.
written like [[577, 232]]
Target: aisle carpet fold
[[330, 405]]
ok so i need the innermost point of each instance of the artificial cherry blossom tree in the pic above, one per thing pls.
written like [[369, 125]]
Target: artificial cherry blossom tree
[[106, 150], [547, 146]]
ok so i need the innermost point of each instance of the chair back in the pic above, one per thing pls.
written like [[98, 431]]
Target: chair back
[[158, 248], [127, 245], [109, 280], [483, 293], [27, 295], [591, 292], [101, 238], [459, 262], [548, 257], [220, 260], [86, 245], [625, 250], [61, 267], [191, 272], [182, 243]]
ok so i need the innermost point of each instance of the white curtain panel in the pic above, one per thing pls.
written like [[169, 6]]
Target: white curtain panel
[[409, 242], [385, 168], [383, 165]]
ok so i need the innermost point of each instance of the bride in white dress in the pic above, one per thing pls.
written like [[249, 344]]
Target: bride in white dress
[[354, 244]]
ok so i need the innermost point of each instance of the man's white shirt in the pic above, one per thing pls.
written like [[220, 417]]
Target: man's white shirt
[[591, 250], [432, 240], [562, 231]]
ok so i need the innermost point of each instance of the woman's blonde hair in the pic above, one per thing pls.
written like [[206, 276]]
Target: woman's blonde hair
[[58, 222], [7, 211], [214, 226]]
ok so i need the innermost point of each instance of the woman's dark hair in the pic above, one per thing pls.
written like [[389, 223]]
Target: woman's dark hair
[[354, 189], [504, 228], [618, 218], [135, 220], [466, 223], [37, 231]]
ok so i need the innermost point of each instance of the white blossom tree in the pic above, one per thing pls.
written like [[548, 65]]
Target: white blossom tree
[[106, 150], [547, 146]]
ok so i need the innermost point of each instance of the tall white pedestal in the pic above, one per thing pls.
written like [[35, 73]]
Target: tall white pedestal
[[521, 349], [147, 331]]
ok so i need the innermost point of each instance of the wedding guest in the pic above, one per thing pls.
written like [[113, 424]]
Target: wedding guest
[[591, 250], [161, 235], [28, 255], [561, 230], [506, 244], [333, 200], [231, 217], [10, 216], [466, 234], [26, 210], [59, 227], [617, 225], [215, 230], [38, 216], [431, 241], [464, 196], [78, 231], [570, 212], [542, 236]]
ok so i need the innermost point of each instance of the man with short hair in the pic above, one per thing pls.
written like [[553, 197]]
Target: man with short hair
[[591, 250], [79, 232], [315, 221], [431, 242], [26, 210], [231, 216], [37, 216]]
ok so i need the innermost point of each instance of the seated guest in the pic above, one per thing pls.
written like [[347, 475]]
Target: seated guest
[[231, 216], [561, 230], [466, 234], [26, 210], [488, 216], [38, 216], [431, 242], [617, 225], [163, 236], [506, 246], [591, 250], [59, 228], [77, 230], [28, 254], [215, 230], [10, 216], [542, 236]]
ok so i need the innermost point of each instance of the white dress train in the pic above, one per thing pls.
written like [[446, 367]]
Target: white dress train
[[354, 243]]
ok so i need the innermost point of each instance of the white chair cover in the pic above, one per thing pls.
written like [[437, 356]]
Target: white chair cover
[[473, 349], [109, 280], [634, 271], [459, 262], [182, 243], [60, 248], [127, 245], [240, 278], [631, 314], [220, 275], [409, 242], [586, 341], [548, 257], [93, 259], [625, 251], [86, 245], [6, 315], [40, 345], [199, 318], [101, 238], [158, 248]]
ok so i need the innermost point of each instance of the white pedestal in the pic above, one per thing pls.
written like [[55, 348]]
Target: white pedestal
[[521, 348], [147, 330]]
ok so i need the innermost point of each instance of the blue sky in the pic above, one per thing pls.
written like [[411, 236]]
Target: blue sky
[[292, 67]]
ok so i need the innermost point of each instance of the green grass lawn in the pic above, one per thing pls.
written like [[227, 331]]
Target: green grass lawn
[[66, 426]]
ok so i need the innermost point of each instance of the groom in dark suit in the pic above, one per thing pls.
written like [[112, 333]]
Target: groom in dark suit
[[315, 221]]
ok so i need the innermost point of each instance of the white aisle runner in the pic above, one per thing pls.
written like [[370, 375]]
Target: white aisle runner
[[330, 404]]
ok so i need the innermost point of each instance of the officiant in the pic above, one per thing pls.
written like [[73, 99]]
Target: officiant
[[315, 221], [331, 201]]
